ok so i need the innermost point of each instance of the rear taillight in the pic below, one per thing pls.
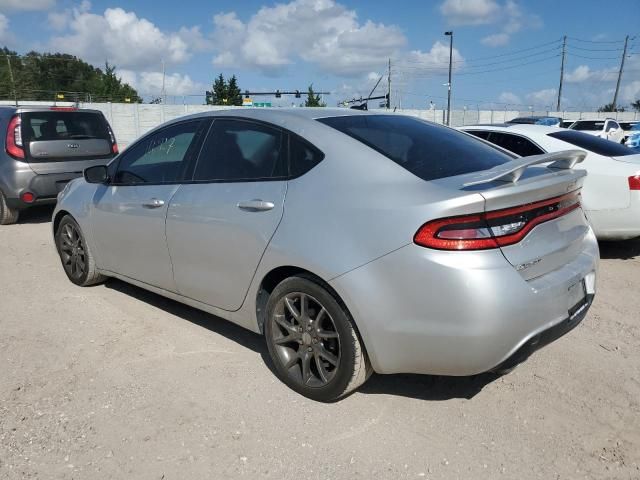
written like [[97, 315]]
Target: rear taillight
[[114, 145], [493, 229], [634, 182], [13, 142]]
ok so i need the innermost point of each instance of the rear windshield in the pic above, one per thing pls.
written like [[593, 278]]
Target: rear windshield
[[629, 125], [588, 125], [594, 144], [54, 125], [427, 150]]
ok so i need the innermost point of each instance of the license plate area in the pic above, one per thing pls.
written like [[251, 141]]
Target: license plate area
[[577, 298]]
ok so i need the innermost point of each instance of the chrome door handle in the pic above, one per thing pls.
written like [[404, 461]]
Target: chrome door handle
[[153, 203], [255, 205]]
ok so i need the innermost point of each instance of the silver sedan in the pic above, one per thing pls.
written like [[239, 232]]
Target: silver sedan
[[354, 242]]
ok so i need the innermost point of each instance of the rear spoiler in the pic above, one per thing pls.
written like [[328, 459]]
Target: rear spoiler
[[513, 170]]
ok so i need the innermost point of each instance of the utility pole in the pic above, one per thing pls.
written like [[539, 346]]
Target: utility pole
[[450, 35], [388, 86], [564, 49], [13, 83], [162, 94], [624, 55]]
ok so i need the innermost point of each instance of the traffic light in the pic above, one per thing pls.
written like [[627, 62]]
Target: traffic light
[[278, 94], [297, 93], [246, 94], [208, 98], [387, 101]]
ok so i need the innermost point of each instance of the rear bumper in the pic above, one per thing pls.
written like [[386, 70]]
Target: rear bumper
[[459, 313], [44, 187]]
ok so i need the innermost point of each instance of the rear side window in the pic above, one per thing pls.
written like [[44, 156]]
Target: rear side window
[[303, 156], [594, 144], [479, 133], [427, 150], [47, 126], [237, 150], [515, 143]]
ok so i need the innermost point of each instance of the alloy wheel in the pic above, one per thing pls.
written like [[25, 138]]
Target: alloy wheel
[[305, 340], [72, 251]]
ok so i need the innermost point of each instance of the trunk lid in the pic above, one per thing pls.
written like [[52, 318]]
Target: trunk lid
[[550, 244], [54, 140]]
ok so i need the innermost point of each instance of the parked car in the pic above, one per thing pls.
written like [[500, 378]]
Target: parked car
[[537, 120], [44, 148], [566, 123], [632, 140], [608, 129], [628, 128], [611, 192], [355, 242]]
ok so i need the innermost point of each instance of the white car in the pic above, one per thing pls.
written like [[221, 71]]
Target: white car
[[611, 191], [629, 129], [607, 128]]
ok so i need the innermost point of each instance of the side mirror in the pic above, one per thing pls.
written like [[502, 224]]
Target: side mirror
[[97, 174]]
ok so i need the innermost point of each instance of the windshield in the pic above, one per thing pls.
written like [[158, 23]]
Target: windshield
[[594, 144], [588, 125], [427, 150]]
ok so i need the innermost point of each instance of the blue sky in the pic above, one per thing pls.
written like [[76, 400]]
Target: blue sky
[[507, 52]]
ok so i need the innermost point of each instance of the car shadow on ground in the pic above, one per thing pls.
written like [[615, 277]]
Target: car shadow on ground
[[33, 215], [621, 250], [422, 387]]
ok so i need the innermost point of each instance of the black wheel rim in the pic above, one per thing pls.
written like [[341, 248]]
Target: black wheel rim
[[305, 340], [72, 251]]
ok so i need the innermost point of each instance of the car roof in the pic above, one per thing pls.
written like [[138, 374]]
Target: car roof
[[46, 108], [596, 119], [523, 128]]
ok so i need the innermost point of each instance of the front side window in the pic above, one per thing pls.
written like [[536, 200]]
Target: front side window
[[588, 125], [612, 126], [161, 157], [427, 150], [238, 150]]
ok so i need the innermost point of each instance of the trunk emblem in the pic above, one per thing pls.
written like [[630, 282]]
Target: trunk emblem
[[73, 145], [524, 266]]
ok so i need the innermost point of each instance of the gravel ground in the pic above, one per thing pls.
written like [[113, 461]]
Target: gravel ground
[[115, 382]]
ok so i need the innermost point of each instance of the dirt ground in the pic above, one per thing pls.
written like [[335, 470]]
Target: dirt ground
[[115, 382]]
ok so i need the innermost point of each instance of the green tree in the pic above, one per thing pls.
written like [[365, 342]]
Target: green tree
[[636, 105], [609, 108], [220, 95], [233, 92], [313, 100], [42, 76]]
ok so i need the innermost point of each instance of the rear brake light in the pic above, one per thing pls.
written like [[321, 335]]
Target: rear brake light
[[634, 182], [63, 109], [114, 144], [493, 229], [13, 142], [114, 148]]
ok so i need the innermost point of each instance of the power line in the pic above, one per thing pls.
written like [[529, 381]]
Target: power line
[[595, 41]]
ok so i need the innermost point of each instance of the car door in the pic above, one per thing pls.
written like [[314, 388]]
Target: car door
[[129, 214], [220, 224], [615, 133]]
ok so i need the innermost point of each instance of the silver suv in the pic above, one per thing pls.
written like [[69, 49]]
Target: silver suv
[[44, 148]]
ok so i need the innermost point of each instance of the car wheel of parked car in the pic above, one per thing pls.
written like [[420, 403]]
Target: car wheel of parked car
[[313, 342], [77, 260], [8, 215]]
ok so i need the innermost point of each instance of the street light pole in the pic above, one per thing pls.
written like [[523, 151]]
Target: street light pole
[[450, 35]]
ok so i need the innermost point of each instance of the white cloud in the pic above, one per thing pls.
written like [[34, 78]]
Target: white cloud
[[470, 12], [321, 32], [122, 38], [543, 98], [496, 40], [580, 74], [630, 92], [511, 17], [4, 27], [26, 5], [509, 98], [150, 83], [437, 57]]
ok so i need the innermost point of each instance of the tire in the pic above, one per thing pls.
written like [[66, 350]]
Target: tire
[[8, 216], [315, 349], [76, 257]]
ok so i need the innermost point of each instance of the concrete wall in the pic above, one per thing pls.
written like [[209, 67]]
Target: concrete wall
[[129, 121]]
